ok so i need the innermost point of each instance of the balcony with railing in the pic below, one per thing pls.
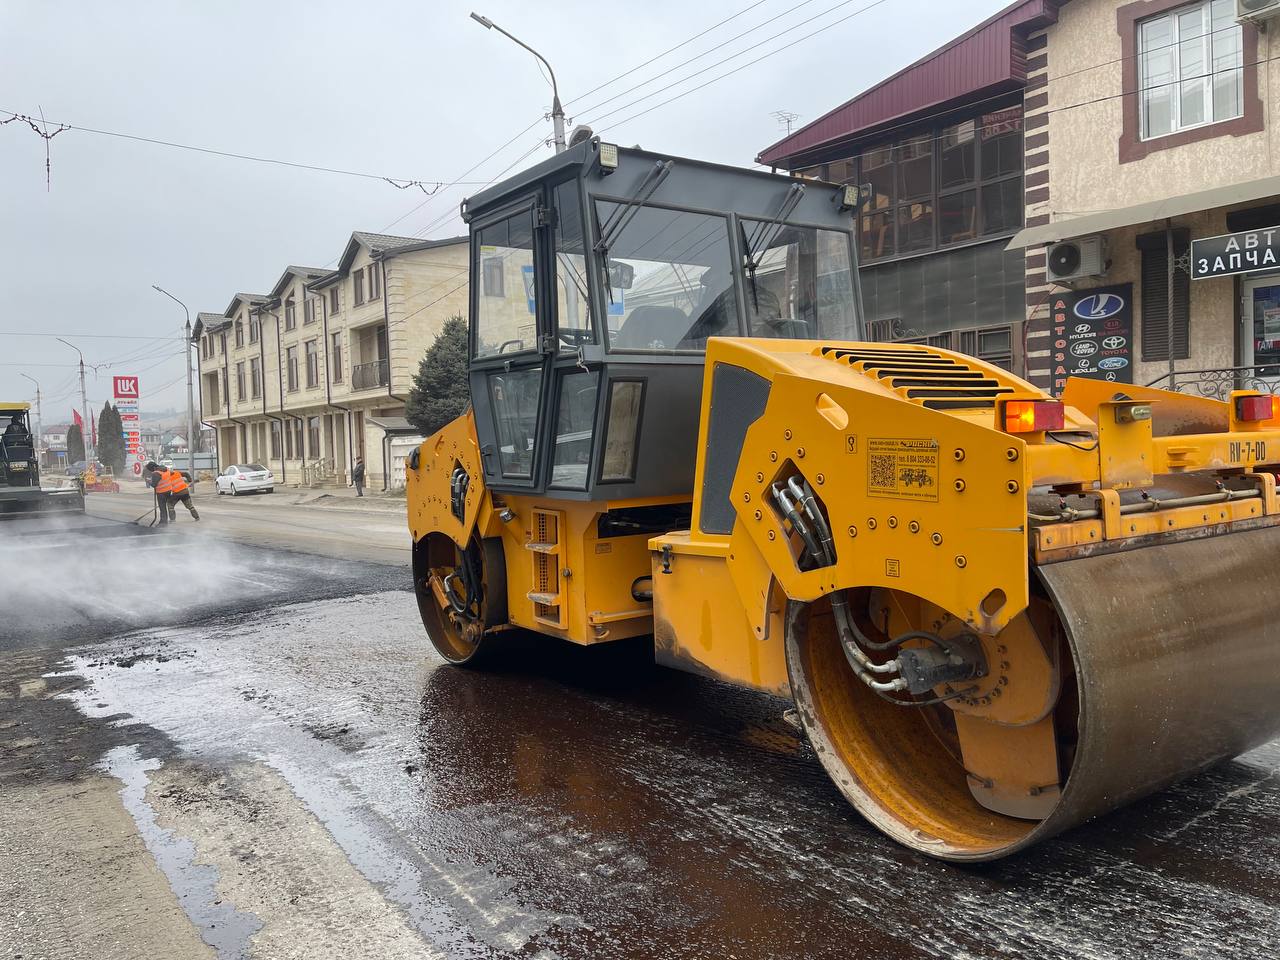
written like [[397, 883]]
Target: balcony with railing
[[1216, 383], [371, 375]]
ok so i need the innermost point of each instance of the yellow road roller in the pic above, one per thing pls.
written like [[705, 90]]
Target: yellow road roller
[[999, 613]]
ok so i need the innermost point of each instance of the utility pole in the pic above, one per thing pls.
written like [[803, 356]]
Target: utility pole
[[39, 415], [557, 111], [186, 352], [86, 429]]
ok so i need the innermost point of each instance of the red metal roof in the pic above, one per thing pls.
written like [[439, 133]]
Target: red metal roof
[[985, 60]]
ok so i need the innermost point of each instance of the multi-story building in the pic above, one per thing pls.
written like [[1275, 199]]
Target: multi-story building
[[1074, 187], [315, 372]]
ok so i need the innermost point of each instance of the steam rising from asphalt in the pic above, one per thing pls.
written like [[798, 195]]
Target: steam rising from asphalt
[[73, 577]]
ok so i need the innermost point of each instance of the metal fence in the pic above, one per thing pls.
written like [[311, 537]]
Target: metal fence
[[366, 376], [1218, 382]]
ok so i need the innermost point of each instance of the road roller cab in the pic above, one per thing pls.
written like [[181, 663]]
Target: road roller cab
[[996, 610]]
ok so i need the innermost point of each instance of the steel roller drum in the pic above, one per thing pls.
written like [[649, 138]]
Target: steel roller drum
[[1176, 654]]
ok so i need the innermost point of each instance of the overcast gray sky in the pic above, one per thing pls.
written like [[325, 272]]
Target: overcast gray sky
[[397, 88]]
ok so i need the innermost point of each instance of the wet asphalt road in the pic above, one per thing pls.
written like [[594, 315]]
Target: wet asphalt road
[[275, 763]]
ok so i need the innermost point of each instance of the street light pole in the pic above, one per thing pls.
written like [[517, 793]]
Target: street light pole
[[186, 348], [557, 112], [39, 414], [86, 430]]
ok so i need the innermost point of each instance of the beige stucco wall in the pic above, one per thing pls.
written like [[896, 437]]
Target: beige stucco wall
[[1088, 69], [424, 289], [421, 290], [1084, 173]]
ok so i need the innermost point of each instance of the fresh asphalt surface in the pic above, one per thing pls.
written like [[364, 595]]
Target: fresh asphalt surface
[[232, 739]]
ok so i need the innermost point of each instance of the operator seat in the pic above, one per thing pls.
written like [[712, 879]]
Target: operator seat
[[653, 326]]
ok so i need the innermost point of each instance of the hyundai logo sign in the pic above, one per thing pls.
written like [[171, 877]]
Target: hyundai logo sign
[[1098, 306]]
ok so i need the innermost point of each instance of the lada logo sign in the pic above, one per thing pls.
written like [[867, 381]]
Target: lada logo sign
[[1099, 306]]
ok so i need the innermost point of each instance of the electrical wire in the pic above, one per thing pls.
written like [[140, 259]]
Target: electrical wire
[[298, 165], [682, 43]]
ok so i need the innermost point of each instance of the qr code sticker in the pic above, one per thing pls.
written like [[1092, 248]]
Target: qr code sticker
[[883, 471]]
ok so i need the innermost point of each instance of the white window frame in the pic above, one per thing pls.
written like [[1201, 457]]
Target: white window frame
[[1175, 47]]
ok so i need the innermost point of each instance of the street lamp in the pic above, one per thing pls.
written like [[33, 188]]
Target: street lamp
[[186, 340], [557, 112], [86, 431], [39, 415]]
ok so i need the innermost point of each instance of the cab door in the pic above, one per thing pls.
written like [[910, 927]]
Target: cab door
[[510, 337]]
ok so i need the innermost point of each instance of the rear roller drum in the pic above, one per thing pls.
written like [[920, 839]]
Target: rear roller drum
[[462, 597], [1092, 697]]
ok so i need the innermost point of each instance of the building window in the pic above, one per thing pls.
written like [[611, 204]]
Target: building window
[[308, 311], [290, 320], [240, 381], [333, 299], [357, 280], [255, 329], [255, 378], [239, 333], [375, 281], [1154, 296], [222, 344], [275, 439], [313, 363], [313, 437], [1190, 68], [944, 186], [297, 438], [335, 352], [291, 367], [492, 278]]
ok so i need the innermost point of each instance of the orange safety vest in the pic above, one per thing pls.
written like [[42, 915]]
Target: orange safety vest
[[171, 481]]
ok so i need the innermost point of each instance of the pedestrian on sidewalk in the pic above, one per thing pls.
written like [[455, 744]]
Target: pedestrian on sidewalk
[[357, 476]]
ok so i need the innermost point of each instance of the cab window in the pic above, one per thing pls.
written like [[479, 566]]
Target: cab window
[[573, 302], [798, 282], [506, 301], [669, 280], [514, 395], [574, 422]]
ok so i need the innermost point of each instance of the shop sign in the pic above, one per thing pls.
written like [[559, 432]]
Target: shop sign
[[1093, 335], [1231, 253]]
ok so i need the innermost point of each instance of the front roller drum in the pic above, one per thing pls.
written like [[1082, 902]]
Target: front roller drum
[[1169, 662], [462, 597]]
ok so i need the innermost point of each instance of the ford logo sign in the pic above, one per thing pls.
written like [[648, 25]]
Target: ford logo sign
[[1098, 306], [1113, 363], [1085, 348], [1114, 343]]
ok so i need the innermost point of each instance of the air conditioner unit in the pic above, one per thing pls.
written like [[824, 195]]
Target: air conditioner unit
[[1257, 11], [1084, 258]]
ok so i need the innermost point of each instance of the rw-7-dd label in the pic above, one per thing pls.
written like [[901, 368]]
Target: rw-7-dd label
[[902, 469]]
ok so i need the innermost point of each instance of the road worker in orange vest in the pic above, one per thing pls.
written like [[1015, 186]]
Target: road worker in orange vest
[[171, 487]]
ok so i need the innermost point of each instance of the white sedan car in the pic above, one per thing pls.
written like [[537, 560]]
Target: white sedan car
[[245, 478]]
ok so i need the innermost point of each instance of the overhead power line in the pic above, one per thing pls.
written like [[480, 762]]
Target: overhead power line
[[601, 86], [401, 182]]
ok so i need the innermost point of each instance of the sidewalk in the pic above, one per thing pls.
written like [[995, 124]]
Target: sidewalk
[[332, 498]]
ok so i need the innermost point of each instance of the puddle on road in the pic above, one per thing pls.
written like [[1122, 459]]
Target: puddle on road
[[299, 689], [586, 805], [221, 925]]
